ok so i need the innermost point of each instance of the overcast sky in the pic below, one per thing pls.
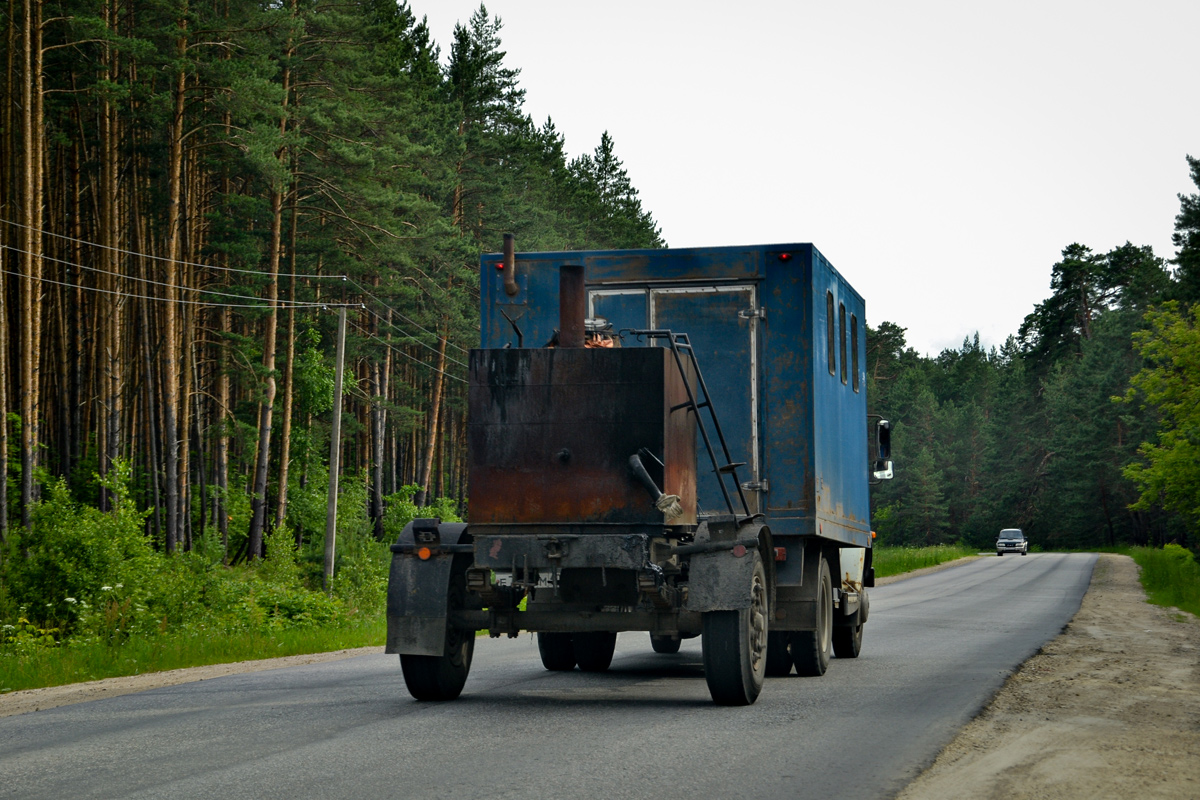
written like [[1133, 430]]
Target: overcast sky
[[940, 154]]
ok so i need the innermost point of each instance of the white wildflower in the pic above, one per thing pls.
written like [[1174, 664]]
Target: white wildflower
[[70, 599], [106, 588]]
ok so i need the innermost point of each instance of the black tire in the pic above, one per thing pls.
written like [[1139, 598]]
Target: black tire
[[594, 650], [811, 649], [735, 646], [557, 651], [999, 553], [1024, 552], [847, 639], [779, 660], [665, 644], [443, 677]]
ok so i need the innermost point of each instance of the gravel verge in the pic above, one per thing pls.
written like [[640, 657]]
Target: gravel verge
[[1110, 708]]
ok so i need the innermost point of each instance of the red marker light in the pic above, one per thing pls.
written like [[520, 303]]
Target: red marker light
[[424, 553], [500, 265], [785, 256], [739, 551]]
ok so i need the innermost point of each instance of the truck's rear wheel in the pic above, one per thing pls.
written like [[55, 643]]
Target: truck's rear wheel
[[443, 677], [811, 649], [847, 639], [779, 661], [735, 646], [665, 644], [557, 651], [594, 650]]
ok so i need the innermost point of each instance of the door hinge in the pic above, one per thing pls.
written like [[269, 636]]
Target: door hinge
[[757, 486], [753, 313]]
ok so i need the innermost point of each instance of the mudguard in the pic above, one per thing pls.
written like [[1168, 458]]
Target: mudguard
[[721, 580], [418, 594]]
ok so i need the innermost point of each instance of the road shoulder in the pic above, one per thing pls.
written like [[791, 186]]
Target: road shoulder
[[41, 699], [1109, 708]]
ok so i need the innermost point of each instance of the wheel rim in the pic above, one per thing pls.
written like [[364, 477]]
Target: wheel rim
[[758, 625]]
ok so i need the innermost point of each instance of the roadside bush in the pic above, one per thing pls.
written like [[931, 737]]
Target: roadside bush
[[273, 606], [1170, 576], [74, 555]]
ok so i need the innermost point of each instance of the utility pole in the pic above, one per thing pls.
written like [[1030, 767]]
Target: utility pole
[[335, 451]]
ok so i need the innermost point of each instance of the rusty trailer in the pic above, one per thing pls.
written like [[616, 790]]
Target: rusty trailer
[[670, 441]]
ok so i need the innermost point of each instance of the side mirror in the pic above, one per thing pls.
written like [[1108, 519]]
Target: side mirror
[[883, 439], [880, 445]]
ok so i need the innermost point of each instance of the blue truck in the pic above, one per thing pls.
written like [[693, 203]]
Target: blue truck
[[673, 441]]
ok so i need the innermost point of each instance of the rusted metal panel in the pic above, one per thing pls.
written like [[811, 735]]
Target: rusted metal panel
[[572, 305], [551, 432]]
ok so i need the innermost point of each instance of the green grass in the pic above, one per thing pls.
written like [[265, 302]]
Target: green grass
[[896, 560], [74, 662], [1170, 576]]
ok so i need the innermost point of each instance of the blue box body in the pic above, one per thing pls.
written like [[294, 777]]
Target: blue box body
[[758, 317]]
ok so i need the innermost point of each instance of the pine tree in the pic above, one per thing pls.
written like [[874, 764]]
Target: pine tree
[[1187, 241]]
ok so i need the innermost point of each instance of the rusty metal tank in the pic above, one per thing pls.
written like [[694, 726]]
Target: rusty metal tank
[[552, 432]]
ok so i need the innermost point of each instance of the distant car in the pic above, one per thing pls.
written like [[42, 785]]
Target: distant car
[[1012, 540]]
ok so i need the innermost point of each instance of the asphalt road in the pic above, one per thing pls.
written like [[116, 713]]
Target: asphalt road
[[935, 650]]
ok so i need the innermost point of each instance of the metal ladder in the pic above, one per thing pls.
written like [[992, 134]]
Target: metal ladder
[[699, 398]]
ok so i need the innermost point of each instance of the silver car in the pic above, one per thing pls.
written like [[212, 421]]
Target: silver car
[[1012, 540]]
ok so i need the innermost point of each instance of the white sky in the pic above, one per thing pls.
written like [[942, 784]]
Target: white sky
[[940, 154]]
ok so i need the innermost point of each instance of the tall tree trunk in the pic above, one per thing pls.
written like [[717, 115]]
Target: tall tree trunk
[[170, 334], [31, 218], [258, 501], [186, 394], [8, 235], [198, 427], [285, 433], [377, 426], [435, 406], [152, 421], [3, 398], [222, 458]]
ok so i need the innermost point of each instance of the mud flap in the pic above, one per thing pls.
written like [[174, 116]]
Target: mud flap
[[418, 595], [722, 580]]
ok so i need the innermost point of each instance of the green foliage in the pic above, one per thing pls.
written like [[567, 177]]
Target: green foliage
[[1026, 435], [24, 637], [314, 377], [74, 554], [401, 510], [1170, 383], [1170, 576]]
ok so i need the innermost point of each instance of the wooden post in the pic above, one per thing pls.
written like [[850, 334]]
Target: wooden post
[[335, 452]]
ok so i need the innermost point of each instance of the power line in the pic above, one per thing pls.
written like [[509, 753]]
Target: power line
[[174, 261], [389, 346], [300, 304], [415, 339], [281, 304], [363, 289]]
